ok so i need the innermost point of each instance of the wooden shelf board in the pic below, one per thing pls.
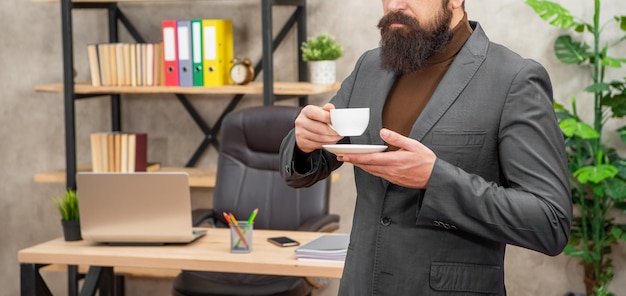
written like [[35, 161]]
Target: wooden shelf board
[[280, 88], [198, 177]]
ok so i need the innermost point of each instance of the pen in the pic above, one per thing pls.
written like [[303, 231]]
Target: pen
[[252, 217], [249, 224], [240, 233]]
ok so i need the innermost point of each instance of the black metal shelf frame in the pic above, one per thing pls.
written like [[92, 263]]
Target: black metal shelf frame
[[115, 16]]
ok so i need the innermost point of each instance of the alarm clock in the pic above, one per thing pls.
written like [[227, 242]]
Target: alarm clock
[[242, 71]]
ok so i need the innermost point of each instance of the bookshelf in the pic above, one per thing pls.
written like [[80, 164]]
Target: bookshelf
[[268, 89]]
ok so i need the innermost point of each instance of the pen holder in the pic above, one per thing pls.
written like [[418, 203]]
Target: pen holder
[[241, 237]]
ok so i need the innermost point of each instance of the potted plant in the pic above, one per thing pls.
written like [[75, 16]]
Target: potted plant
[[598, 173], [320, 53], [70, 218]]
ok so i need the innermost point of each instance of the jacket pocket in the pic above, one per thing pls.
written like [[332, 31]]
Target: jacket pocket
[[458, 138], [464, 277]]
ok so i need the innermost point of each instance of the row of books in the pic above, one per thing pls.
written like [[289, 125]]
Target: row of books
[[119, 152], [126, 64], [326, 248], [197, 52]]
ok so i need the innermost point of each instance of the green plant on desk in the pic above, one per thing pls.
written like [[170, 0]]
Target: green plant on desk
[[68, 206]]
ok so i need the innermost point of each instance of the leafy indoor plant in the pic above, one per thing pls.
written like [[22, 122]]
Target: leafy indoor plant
[[598, 173], [321, 52], [70, 217], [321, 48]]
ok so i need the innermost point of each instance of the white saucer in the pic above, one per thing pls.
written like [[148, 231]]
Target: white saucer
[[353, 148]]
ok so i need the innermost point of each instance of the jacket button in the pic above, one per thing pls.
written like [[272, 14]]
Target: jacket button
[[385, 221]]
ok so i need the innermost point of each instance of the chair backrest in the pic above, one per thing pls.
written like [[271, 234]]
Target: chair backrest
[[248, 175]]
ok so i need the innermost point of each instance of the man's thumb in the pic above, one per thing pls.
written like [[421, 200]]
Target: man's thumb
[[394, 139]]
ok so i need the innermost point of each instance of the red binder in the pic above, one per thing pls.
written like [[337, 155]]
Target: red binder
[[170, 52]]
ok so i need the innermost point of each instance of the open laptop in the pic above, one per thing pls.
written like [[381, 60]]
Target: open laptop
[[135, 208]]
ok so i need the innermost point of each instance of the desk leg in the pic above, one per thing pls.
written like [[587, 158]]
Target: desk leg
[[120, 285], [101, 279], [72, 280], [31, 282]]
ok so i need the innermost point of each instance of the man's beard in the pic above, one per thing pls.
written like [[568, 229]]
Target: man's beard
[[407, 49]]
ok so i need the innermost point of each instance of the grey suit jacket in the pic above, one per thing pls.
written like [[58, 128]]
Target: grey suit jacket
[[500, 178]]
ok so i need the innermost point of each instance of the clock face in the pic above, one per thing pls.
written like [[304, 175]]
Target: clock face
[[239, 73]]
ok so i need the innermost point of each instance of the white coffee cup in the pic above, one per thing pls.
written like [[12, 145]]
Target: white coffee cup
[[349, 121]]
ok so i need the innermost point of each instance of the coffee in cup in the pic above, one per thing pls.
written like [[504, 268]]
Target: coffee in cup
[[349, 121]]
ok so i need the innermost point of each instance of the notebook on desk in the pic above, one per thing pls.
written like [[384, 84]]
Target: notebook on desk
[[135, 208]]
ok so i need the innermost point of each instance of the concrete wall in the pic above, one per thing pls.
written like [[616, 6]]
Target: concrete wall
[[31, 124]]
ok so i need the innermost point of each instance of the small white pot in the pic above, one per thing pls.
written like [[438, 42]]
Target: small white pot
[[322, 72]]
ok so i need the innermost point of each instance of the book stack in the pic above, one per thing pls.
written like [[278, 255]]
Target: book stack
[[126, 64], [326, 248], [197, 52], [119, 152]]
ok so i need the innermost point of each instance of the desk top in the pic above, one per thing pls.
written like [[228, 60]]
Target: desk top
[[209, 253]]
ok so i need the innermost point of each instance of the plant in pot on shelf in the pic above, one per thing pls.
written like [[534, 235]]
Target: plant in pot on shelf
[[70, 218], [321, 54], [597, 171]]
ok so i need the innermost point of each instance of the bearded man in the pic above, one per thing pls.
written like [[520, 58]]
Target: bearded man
[[476, 159]]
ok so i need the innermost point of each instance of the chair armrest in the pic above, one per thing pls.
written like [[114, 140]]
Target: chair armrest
[[204, 217], [321, 223]]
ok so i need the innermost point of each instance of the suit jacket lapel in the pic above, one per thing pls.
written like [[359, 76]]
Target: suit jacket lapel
[[454, 81], [381, 90]]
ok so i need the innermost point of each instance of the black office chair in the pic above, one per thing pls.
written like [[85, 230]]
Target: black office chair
[[248, 178]]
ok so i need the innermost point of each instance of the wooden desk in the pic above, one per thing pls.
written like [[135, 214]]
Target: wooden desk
[[209, 253]]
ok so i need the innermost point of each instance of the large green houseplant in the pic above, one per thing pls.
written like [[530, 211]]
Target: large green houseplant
[[598, 172]]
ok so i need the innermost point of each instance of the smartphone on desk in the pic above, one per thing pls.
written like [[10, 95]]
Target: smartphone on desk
[[283, 241]]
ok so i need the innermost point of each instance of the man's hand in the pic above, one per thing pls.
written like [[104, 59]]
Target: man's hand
[[410, 166], [312, 129]]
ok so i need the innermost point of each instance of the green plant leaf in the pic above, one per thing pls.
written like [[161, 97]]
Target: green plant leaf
[[571, 52], [613, 62], [572, 127], [622, 22], [617, 103], [619, 85], [554, 13], [68, 206], [617, 232], [575, 252], [558, 106], [616, 189], [595, 174], [622, 134], [598, 87], [620, 206]]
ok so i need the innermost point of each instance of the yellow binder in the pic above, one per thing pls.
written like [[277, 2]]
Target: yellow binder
[[217, 37]]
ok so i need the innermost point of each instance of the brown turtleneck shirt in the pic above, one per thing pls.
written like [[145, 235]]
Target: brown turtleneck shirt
[[411, 91]]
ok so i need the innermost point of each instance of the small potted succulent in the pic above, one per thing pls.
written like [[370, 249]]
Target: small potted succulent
[[321, 54], [70, 218]]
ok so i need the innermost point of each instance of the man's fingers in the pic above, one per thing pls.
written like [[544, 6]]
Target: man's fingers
[[397, 140], [328, 107], [316, 113]]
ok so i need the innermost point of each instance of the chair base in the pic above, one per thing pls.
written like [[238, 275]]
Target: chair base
[[196, 283]]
